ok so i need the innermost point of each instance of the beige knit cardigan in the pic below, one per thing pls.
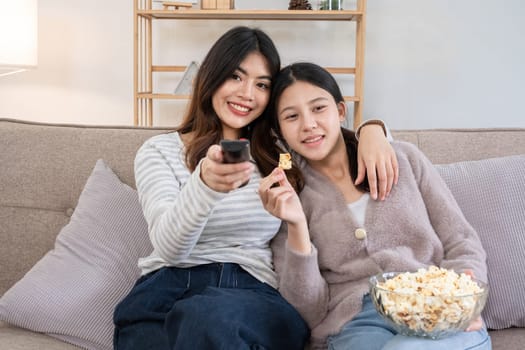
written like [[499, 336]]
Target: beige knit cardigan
[[419, 224]]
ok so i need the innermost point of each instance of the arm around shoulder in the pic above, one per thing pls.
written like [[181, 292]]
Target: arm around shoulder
[[377, 122]]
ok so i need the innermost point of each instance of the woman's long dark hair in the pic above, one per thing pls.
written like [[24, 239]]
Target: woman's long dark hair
[[268, 135], [224, 57]]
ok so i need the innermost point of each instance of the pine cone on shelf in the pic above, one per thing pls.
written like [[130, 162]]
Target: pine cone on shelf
[[299, 5]]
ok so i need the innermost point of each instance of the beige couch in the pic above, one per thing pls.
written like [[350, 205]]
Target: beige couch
[[44, 167]]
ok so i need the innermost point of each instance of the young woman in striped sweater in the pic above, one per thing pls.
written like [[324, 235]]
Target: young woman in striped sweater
[[209, 282]]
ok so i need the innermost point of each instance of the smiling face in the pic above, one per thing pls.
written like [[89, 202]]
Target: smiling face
[[310, 121], [243, 97]]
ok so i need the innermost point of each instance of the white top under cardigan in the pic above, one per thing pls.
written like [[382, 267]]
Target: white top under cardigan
[[190, 224]]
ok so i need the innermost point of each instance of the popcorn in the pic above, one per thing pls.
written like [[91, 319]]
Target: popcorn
[[430, 300], [285, 161]]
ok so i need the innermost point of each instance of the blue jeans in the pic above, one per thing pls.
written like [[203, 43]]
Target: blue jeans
[[214, 306], [369, 331]]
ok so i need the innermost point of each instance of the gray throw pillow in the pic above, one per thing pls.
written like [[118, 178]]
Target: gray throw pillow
[[491, 194], [71, 292]]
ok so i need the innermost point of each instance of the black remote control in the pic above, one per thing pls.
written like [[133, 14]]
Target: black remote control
[[235, 151]]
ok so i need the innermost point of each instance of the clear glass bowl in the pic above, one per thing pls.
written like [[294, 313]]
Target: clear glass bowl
[[432, 317]]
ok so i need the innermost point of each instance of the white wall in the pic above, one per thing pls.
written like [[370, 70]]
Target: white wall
[[432, 63], [84, 73], [446, 63]]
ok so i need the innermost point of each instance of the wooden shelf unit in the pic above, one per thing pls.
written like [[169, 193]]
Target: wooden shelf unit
[[143, 57]]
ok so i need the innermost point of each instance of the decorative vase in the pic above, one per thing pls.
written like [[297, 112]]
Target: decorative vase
[[331, 5]]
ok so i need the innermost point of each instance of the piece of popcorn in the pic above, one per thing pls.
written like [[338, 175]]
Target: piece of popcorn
[[285, 161]]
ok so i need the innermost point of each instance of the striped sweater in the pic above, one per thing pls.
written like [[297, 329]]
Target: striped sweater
[[190, 224]]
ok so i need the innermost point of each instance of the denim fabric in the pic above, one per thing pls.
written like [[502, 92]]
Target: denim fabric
[[369, 331], [214, 306]]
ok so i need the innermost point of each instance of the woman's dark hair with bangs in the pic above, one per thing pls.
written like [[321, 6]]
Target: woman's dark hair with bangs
[[268, 159], [224, 57]]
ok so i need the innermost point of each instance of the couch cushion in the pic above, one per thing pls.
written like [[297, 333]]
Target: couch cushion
[[71, 292], [507, 339], [457, 145], [491, 194], [14, 338], [18, 226]]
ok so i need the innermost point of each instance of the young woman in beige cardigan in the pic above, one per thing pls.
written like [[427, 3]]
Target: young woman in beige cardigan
[[334, 237]]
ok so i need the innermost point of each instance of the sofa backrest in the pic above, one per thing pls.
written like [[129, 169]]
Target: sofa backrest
[[443, 146], [43, 168]]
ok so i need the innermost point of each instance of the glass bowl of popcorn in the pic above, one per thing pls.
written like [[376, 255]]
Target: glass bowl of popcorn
[[432, 303]]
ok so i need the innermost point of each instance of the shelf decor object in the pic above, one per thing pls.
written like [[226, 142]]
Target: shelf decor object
[[186, 83], [217, 4], [144, 68], [176, 5], [299, 5], [18, 36], [331, 5]]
